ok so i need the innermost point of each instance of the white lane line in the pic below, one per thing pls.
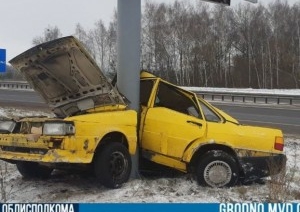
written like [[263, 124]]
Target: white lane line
[[274, 107], [265, 122]]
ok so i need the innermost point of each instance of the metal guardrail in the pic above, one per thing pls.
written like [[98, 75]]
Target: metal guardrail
[[14, 85], [207, 95], [250, 97]]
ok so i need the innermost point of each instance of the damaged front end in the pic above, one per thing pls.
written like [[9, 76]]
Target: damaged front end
[[71, 83], [38, 139], [66, 77], [91, 117]]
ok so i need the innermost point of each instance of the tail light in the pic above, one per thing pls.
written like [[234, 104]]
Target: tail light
[[279, 143]]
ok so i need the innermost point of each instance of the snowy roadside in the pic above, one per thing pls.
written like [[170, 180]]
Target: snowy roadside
[[66, 187]]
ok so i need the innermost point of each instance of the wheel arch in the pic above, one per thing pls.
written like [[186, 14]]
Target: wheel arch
[[208, 147], [114, 136]]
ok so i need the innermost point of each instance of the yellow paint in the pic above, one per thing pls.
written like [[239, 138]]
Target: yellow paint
[[170, 135], [78, 148], [168, 161]]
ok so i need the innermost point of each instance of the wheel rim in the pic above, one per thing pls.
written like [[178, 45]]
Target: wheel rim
[[217, 174], [118, 165]]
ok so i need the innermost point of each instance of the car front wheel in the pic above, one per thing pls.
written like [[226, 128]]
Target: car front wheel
[[112, 165]]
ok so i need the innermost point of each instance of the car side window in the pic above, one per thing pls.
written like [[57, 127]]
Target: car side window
[[145, 91], [170, 97], [209, 114]]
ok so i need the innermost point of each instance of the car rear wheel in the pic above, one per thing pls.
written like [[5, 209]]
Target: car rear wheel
[[217, 168], [112, 165], [33, 170]]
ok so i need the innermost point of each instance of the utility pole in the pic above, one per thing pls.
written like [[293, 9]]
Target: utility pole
[[128, 66]]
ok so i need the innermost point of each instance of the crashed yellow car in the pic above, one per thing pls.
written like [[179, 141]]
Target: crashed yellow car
[[94, 127]]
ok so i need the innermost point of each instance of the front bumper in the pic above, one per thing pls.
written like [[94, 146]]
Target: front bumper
[[257, 167], [49, 156]]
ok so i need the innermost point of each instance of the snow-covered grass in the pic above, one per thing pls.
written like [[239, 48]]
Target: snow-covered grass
[[68, 187]]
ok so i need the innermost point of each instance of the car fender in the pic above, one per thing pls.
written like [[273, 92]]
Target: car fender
[[198, 143]]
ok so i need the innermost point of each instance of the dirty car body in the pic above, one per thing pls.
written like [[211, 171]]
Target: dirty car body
[[94, 127]]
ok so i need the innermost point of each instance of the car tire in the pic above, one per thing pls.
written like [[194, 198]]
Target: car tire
[[112, 165], [217, 168], [33, 170]]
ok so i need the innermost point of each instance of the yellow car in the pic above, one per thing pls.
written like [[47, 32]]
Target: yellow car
[[94, 127]]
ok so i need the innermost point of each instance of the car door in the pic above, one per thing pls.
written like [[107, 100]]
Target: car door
[[171, 121]]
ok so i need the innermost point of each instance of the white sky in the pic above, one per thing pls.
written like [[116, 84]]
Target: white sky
[[22, 20]]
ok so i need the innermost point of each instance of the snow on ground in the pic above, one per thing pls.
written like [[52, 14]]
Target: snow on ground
[[72, 187]]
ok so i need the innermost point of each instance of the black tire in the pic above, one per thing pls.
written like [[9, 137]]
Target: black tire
[[32, 170], [112, 165], [217, 168]]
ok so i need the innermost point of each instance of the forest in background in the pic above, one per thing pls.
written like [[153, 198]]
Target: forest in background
[[249, 46]]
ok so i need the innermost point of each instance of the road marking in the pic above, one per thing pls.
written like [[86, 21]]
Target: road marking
[[265, 122], [275, 106]]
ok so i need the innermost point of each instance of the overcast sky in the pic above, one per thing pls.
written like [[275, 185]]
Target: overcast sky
[[22, 20]]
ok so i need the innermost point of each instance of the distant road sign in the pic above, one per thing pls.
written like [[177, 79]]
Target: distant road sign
[[252, 1], [2, 60], [227, 2]]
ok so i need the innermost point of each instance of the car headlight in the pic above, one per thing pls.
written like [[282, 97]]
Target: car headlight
[[7, 126], [58, 128]]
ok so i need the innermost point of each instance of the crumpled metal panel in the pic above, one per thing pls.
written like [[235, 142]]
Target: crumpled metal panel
[[64, 74]]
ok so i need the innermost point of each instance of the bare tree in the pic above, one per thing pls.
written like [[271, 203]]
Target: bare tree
[[201, 45], [50, 33]]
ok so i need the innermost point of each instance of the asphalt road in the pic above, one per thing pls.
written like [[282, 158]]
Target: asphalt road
[[20, 98], [286, 117]]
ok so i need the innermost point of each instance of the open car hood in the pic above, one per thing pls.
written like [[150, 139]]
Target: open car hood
[[66, 76]]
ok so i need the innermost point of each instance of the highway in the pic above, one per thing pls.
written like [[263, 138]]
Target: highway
[[284, 117], [20, 98]]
